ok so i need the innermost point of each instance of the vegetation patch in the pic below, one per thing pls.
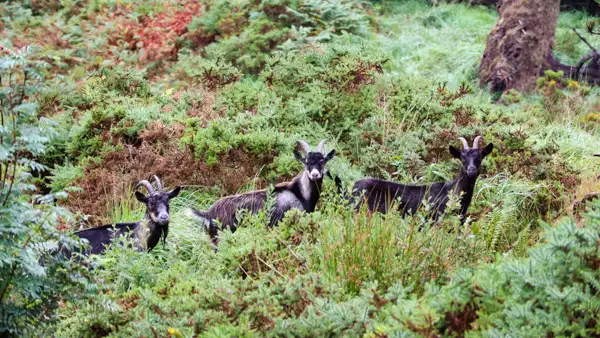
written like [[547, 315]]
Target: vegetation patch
[[213, 96]]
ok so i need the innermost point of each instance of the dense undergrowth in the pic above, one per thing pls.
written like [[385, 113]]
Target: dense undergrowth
[[213, 96]]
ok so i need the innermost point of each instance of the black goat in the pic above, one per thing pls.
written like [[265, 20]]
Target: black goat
[[302, 193], [147, 232], [380, 194]]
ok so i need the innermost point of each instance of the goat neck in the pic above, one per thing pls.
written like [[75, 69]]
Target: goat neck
[[148, 233], [310, 190], [465, 185]]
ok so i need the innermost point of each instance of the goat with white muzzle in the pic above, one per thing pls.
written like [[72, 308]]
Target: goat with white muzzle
[[302, 193], [147, 232], [380, 194]]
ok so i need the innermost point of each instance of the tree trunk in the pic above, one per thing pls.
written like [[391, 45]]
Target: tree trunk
[[518, 46]]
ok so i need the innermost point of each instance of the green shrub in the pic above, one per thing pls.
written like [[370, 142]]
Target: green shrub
[[64, 176], [357, 249], [213, 73], [249, 32], [332, 86], [108, 110], [33, 277]]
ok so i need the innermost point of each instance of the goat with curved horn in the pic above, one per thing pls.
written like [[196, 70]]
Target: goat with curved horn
[[145, 184], [476, 142], [320, 146], [464, 142], [148, 232], [381, 195], [158, 183], [301, 193]]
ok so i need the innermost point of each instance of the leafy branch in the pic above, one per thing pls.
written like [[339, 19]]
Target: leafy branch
[[32, 273]]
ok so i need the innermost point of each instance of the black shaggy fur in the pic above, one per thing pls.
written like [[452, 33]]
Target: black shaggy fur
[[147, 232], [302, 193], [380, 195]]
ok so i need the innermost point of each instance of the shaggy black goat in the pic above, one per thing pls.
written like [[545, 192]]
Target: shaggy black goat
[[147, 232], [301, 193], [380, 194]]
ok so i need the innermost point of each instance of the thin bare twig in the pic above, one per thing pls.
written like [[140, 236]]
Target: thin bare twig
[[12, 181], [245, 272], [23, 89], [1, 112], [154, 331], [586, 198], [290, 250], [270, 266], [15, 160], [583, 39]]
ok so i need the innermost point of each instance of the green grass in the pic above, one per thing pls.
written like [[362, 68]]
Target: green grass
[[442, 43], [125, 208]]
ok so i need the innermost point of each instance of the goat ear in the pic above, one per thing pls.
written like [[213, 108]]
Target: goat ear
[[173, 193], [141, 197], [487, 150], [454, 152], [330, 155], [298, 156]]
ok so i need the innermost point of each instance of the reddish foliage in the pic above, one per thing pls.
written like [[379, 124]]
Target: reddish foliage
[[203, 109], [364, 74], [298, 307], [447, 97], [428, 330], [62, 224], [438, 145], [459, 322], [377, 300], [464, 116], [156, 36], [129, 302]]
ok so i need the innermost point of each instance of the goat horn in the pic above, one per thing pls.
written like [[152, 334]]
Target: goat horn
[[320, 146], [146, 185], [158, 183], [476, 142], [464, 142], [304, 145]]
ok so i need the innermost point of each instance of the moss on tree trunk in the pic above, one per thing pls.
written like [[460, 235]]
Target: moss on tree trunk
[[518, 46]]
